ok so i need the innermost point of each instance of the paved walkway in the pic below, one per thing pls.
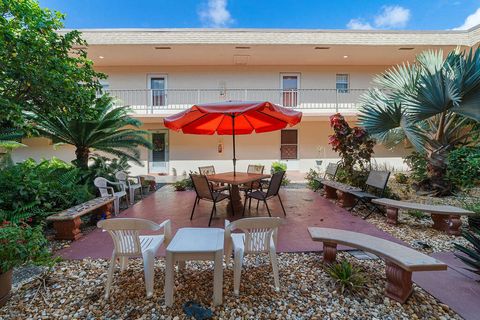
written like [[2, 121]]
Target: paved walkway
[[304, 208]]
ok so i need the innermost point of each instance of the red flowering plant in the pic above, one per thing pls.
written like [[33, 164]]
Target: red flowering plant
[[20, 244], [355, 148]]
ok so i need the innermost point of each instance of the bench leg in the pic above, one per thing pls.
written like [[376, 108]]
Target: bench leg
[[347, 200], [329, 252], [454, 225], [399, 282], [330, 193], [392, 215], [68, 229]]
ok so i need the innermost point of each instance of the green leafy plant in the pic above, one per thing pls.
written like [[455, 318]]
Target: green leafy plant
[[22, 244], [463, 168], [418, 166], [36, 190], [278, 166], [42, 70], [471, 253], [346, 276], [401, 178], [417, 214], [311, 177], [110, 129], [433, 103], [105, 167], [355, 148], [182, 185]]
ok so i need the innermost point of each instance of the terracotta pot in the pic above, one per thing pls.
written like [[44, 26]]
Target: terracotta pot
[[5, 286]]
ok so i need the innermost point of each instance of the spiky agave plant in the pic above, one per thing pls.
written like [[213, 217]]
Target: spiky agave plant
[[433, 103], [471, 254]]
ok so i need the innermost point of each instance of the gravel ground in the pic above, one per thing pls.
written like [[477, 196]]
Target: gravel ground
[[75, 291]]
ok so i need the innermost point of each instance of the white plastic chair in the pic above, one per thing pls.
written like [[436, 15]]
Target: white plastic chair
[[106, 191], [259, 237], [128, 243], [123, 178]]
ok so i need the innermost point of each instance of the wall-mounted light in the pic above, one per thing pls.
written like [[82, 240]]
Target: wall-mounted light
[[345, 57], [101, 57]]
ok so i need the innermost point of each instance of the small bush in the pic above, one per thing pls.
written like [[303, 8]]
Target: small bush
[[181, 185], [346, 276], [418, 166], [463, 167], [401, 178], [417, 214], [280, 166], [22, 244], [311, 177]]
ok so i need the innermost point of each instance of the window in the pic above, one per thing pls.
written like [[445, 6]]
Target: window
[[290, 85], [343, 83], [157, 85], [289, 144]]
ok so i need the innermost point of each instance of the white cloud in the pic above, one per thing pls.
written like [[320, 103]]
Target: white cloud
[[392, 17], [471, 21], [215, 14], [359, 24]]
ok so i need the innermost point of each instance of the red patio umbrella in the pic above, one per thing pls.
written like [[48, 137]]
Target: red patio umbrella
[[232, 118]]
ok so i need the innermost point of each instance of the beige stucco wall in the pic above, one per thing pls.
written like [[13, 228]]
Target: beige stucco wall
[[188, 152], [238, 77]]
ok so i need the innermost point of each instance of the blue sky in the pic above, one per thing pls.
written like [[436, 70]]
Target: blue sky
[[309, 14]]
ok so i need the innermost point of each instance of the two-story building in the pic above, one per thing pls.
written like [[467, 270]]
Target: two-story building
[[159, 72]]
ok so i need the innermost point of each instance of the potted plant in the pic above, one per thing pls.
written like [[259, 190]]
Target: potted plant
[[19, 244]]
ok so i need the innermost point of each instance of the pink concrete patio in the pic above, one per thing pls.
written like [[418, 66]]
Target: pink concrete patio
[[304, 208]]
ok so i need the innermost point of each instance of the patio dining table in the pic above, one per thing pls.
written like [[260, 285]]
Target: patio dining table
[[235, 180]]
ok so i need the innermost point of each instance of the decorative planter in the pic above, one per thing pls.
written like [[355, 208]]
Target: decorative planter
[[5, 286], [474, 221]]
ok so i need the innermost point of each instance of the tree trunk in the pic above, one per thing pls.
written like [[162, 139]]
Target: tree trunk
[[82, 155]]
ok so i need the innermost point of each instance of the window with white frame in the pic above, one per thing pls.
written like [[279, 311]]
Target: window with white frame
[[342, 82]]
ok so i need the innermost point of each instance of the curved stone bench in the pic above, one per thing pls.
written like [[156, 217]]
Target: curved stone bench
[[445, 218], [400, 261], [346, 199]]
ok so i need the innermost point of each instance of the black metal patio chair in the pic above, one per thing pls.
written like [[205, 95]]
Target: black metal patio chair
[[330, 174], [205, 191], [374, 188], [272, 191]]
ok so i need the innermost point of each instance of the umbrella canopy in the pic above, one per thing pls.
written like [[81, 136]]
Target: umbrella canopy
[[233, 118]]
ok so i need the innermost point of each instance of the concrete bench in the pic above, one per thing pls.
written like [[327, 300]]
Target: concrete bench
[[67, 222], [400, 261], [445, 218], [346, 199]]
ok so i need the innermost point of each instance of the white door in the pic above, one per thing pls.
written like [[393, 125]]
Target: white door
[[158, 160], [158, 86], [290, 83]]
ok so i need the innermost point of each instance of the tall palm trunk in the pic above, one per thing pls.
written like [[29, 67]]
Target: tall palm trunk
[[82, 155]]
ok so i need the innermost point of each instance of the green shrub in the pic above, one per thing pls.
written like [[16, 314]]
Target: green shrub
[[418, 166], [104, 167], [311, 177], [471, 253], [401, 178], [463, 167], [346, 276], [280, 166], [36, 190], [21, 244], [181, 185], [417, 214]]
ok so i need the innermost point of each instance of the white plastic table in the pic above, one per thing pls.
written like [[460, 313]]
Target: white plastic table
[[195, 244]]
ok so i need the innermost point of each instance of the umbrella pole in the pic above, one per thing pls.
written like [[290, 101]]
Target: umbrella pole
[[233, 135]]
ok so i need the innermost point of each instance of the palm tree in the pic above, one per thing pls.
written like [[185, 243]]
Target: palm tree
[[104, 127], [433, 103], [9, 141]]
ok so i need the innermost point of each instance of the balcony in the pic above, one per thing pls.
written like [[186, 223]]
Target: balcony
[[164, 102]]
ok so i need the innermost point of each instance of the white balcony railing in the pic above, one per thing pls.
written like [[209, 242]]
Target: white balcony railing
[[144, 101]]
